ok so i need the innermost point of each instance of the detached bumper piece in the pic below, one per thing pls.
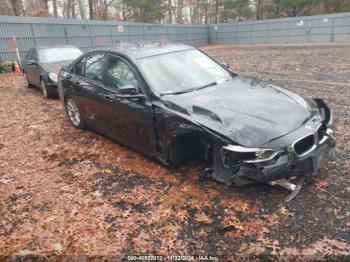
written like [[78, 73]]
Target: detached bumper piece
[[295, 188]]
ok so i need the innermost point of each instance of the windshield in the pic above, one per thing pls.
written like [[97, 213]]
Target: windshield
[[182, 71], [58, 54]]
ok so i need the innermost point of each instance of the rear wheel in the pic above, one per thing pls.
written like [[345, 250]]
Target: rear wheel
[[46, 90], [74, 114]]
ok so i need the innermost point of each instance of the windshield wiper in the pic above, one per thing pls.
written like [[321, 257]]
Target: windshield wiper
[[207, 85], [190, 90], [177, 92]]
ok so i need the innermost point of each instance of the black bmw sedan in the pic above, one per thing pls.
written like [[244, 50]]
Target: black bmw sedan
[[174, 103], [42, 64]]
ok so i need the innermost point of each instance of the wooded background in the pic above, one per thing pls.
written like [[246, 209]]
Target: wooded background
[[172, 11]]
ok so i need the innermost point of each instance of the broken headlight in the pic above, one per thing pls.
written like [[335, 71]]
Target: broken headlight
[[313, 107], [232, 155]]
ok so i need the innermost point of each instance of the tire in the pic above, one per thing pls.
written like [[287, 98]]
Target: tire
[[74, 114], [46, 90], [175, 158], [26, 82]]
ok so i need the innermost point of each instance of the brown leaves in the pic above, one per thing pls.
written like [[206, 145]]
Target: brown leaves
[[285, 212], [203, 218], [320, 185], [182, 215], [143, 242], [235, 228], [66, 191], [238, 205]]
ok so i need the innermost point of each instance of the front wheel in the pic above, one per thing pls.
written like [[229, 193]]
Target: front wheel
[[74, 114]]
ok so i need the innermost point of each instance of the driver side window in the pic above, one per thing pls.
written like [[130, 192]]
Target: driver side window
[[119, 74]]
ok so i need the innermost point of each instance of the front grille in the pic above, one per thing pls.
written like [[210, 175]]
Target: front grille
[[304, 145]]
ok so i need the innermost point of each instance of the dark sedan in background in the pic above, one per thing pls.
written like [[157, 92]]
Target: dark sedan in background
[[174, 103], [42, 64]]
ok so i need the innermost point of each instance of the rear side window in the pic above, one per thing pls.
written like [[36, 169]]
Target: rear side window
[[34, 55], [29, 55], [94, 66]]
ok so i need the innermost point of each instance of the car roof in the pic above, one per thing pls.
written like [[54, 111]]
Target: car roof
[[141, 50]]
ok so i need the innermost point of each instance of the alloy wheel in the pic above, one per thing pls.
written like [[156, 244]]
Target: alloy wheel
[[73, 112]]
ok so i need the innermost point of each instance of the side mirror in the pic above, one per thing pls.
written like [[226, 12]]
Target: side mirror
[[226, 65], [128, 90], [31, 62]]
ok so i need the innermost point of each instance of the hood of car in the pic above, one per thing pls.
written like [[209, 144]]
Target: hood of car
[[250, 112], [54, 67]]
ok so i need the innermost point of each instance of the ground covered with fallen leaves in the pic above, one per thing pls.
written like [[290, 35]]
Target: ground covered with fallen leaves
[[65, 191]]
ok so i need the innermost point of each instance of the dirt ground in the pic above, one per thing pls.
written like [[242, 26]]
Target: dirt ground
[[69, 192]]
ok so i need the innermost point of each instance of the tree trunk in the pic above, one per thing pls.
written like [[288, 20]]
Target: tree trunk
[[258, 9], [205, 12], [180, 6], [54, 4], [216, 11], [170, 18], [81, 9], [105, 10], [73, 9], [91, 10], [123, 10], [46, 6], [278, 8], [16, 9]]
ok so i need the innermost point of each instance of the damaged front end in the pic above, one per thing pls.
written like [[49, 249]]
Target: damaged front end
[[304, 150]]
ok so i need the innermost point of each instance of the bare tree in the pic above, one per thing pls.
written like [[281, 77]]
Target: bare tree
[[45, 6], [72, 6], [54, 4], [81, 9], [91, 10], [216, 11], [180, 5], [16, 7], [170, 11], [259, 9]]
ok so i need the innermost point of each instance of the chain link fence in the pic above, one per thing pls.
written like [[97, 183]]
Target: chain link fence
[[22, 33], [25, 32], [293, 30]]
